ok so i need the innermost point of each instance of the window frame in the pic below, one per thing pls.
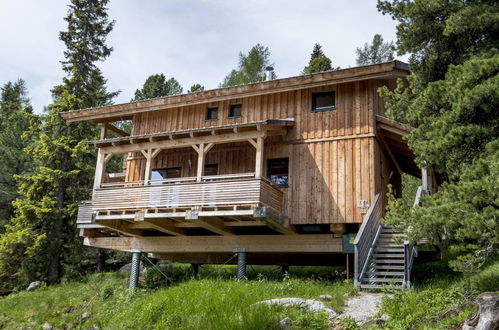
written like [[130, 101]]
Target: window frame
[[231, 109], [209, 111], [179, 168], [326, 108], [269, 170]]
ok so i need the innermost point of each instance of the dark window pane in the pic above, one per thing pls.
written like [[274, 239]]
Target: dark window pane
[[278, 171], [323, 101], [211, 169], [235, 110], [166, 173], [212, 113]]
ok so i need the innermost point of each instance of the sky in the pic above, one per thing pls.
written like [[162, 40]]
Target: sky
[[194, 41]]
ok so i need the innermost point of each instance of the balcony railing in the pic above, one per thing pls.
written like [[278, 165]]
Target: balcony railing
[[216, 191]]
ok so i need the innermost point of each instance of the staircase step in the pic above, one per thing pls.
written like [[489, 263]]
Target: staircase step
[[376, 286], [388, 249], [389, 261], [387, 267], [386, 273], [389, 255], [383, 234], [383, 280]]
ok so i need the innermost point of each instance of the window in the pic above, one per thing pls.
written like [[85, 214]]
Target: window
[[212, 113], [211, 169], [278, 171], [166, 173], [323, 101], [235, 110]]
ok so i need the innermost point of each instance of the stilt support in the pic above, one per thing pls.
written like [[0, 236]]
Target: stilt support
[[194, 270], [284, 270], [135, 271], [241, 262]]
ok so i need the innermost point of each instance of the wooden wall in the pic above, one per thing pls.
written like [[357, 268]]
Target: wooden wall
[[335, 160]]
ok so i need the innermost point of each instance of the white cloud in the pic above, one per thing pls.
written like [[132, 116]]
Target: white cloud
[[193, 41]]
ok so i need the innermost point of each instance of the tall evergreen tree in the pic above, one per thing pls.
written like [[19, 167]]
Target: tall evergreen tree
[[16, 116], [42, 237], [251, 67], [377, 52], [319, 62], [451, 100], [156, 85]]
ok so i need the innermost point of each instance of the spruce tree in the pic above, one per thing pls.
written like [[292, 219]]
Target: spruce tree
[[377, 52], [156, 85], [319, 62], [196, 88], [45, 213]]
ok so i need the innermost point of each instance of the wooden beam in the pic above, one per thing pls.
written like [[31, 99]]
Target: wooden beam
[[322, 243], [259, 158], [147, 171], [200, 168], [103, 131], [273, 220], [122, 227], [389, 152], [188, 142], [99, 169], [166, 226], [116, 130], [212, 224]]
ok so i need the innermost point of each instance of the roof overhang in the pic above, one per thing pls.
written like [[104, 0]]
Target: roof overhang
[[184, 138], [125, 111]]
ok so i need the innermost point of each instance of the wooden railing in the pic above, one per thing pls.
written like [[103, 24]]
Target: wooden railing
[[261, 192], [366, 238]]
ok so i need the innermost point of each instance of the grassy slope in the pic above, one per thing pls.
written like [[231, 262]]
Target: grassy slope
[[215, 302]]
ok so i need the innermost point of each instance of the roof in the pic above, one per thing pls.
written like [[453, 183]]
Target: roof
[[125, 111]]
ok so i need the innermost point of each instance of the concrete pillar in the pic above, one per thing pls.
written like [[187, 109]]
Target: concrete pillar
[[241, 262], [135, 271]]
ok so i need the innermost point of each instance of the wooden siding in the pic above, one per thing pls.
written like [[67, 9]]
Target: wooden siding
[[335, 160]]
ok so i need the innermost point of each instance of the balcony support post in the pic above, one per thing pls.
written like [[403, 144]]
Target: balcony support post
[[241, 263], [135, 271], [100, 167], [259, 157], [149, 154]]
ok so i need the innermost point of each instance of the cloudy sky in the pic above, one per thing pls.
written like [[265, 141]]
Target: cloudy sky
[[195, 41]]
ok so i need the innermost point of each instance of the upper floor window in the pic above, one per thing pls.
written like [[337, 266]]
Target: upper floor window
[[323, 101], [166, 173], [212, 113], [235, 110], [278, 171], [211, 169]]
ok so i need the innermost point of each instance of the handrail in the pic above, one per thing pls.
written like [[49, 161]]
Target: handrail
[[410, 249], [366, 239]]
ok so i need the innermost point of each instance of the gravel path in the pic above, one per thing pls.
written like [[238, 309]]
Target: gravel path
[[362, 307]]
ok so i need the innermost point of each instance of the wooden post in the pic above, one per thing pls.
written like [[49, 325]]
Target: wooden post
[[259, 158], [147, 174], [99, 169], [200, 168], [103, 131]]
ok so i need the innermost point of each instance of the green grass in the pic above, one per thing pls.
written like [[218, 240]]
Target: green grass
[[217, 301]]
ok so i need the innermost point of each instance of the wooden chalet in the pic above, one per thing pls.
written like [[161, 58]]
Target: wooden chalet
[[287, 169]]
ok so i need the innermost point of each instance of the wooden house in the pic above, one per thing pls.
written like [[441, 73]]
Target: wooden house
[[282, 168]]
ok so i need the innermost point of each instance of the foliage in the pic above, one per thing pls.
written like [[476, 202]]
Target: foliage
[[319, 62], [196, 88], [16, 116], [156, 85], [209, 303], [377, 52], [439, 33], [41, 239], [251, 67]]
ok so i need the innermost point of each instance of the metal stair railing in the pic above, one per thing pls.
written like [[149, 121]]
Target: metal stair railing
[[366, 239]]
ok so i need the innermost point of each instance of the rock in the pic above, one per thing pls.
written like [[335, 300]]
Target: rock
[[47, 326], [363, 307], [70, 326], [308, 304], [487, 315], [64, 280], [85, 316], [286, 323], [371, 322], [326, 297], [34, 285]]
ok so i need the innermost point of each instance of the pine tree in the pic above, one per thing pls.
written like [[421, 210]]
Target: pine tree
[[319, 62], [196, 88], [16, 116], [44, 222], [377, 52], [251, 67], [156, 85]]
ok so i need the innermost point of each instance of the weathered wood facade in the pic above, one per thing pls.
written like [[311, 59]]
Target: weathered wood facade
[[338, 159]]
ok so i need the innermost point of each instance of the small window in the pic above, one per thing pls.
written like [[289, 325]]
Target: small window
[[212, 113], [278, 171], [211, 169], [235, 110], [166, 173], [323, 101]]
